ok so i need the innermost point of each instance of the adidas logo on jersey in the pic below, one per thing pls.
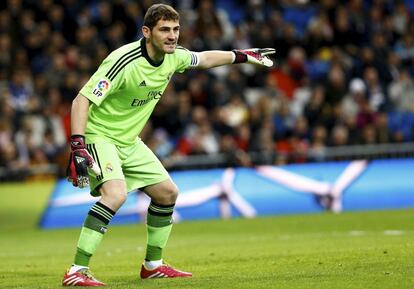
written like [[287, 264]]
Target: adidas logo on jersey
[[142, 84]]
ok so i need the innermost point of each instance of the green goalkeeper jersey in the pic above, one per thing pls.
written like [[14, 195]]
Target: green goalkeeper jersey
[[125, 89]]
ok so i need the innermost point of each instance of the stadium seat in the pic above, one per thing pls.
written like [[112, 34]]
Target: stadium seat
[[300, 17], [234, 11]]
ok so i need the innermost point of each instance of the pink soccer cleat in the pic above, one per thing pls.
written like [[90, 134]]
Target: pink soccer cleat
[[163, 271], [82, 277]]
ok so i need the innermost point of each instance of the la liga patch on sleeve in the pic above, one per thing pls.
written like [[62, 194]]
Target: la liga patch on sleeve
[[101, 88]]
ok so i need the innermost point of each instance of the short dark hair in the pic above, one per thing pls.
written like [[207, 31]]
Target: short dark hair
[[157, 12]]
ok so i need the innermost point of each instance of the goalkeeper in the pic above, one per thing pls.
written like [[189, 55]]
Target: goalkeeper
[[107, 116]]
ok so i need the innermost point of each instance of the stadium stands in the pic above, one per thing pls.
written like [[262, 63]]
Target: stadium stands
[[238, 115]]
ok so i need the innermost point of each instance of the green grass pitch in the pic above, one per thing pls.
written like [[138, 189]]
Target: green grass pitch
[[351, 250]]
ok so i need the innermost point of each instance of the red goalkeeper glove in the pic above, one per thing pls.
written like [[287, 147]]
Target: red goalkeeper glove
[[254, 56], [79, 162]]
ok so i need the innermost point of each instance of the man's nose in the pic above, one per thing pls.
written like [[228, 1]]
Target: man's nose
[[172, 35]]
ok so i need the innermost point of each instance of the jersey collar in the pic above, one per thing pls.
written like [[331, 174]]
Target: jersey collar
[[145, 54]]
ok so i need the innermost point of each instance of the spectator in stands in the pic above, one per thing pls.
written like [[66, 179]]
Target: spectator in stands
[[369, 135], [382, 128], [204, 140], [405, 48], [235, 157], [213, 26], [376, 92], [6, 135], [339, 136], [160, 144], [317, 148], [401, 92], [335, 88], [315, 107], [21, 91], [343, 34], [235, 112], [351, 102], [5, 51], [319, 33]]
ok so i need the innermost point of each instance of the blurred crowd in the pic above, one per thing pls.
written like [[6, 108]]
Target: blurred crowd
[[343, 76]]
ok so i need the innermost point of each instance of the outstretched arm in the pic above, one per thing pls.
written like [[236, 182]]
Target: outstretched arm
[[213, 58]]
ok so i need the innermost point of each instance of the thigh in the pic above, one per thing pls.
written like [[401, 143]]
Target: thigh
[[141, 167], [106, 156]]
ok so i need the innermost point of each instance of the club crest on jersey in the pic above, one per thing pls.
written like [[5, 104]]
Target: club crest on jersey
[[101, 88], [109, 168]]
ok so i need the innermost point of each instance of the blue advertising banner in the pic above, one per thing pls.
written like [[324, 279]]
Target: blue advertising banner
[[265, 190]]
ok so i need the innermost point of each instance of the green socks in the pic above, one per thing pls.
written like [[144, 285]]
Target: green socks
[[159, 225], [93, 229]]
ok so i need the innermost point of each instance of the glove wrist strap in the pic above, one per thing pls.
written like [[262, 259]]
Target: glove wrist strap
[[77, 142], [239, 57]]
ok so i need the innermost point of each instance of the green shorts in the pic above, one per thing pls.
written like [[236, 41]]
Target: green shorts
[[136, 164]]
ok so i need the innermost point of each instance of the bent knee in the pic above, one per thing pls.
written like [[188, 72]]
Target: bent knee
[[114, 199], [168, 195], [173, 191], [114, 195], [120, 197]]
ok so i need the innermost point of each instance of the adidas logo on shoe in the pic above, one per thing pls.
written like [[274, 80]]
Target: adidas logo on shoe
[[163, 271], [82, 277]]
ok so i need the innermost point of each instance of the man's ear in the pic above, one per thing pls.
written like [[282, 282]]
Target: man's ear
[[146, 31]]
